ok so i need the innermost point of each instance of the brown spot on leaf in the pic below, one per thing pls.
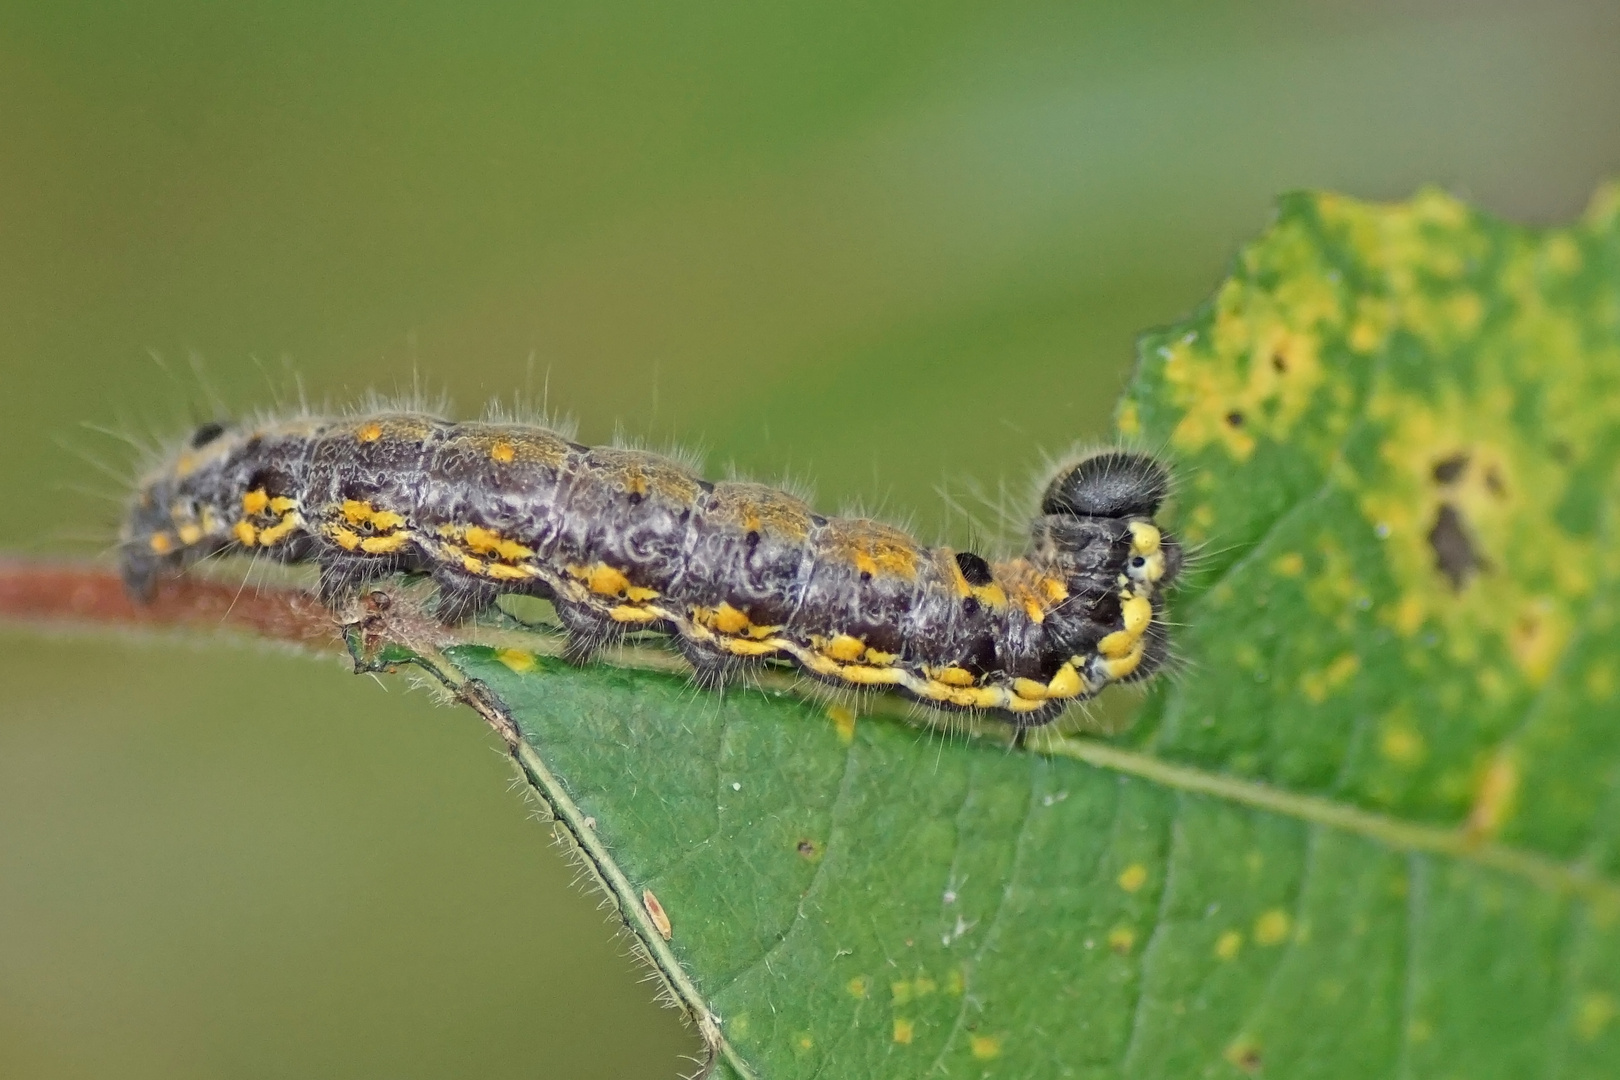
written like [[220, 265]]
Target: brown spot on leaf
[[1448, 470], [807, 848], [1234, 419], [1454, 553], [1247, 1058], [1494, 483]]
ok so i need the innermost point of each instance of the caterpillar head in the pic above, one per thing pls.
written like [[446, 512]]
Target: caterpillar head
[[172, 517], [1120, 491]]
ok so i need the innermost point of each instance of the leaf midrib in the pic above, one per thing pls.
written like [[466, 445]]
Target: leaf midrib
[[1394, 833]]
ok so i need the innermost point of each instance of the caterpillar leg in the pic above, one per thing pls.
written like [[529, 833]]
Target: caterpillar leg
[[341, 575], [713, 669], [588, 632], [461, 599]]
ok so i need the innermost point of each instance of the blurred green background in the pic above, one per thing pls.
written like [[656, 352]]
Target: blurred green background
[[882, 247]]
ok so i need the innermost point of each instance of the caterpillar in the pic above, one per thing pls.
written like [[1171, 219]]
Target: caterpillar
[[735, 573]]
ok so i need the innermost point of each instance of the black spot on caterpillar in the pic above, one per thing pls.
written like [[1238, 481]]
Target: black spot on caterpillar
[[736, 573]]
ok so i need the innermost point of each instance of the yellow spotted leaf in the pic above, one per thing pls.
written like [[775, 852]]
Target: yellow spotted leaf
[[1371, 827]]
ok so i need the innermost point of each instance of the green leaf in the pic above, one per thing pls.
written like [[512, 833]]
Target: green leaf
[[1372, 827]]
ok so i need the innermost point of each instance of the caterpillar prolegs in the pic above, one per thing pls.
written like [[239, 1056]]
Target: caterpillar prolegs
[[735, 573]]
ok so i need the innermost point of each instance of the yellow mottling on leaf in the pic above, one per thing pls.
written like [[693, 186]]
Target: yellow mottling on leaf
[[1401, 744], [804, 1041], [1419, 1031], [900, 992], [1494, 797], [858, 986], [1122, 939], [1594, 1014], [1255, 375], [956, 982], [1271, 928], [516, 660], [843, 718], [1317, 685], [985, 1047], [902, 1031], [1129, 421], [1291, 564], [1562, 254], [1228, 945], [1600, 680], [1133, 877], [1538, 637]]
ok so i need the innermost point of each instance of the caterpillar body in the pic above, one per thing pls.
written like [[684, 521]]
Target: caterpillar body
[[736, 573]]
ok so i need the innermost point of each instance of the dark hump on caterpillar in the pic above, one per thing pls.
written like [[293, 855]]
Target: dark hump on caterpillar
[[1114, 483]]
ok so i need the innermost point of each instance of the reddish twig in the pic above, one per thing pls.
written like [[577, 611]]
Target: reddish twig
[[89, 595]]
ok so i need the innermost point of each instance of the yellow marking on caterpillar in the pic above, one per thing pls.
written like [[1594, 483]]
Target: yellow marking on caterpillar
[[600, 578], [745, 647], [190, 533], [281, 504], [161, 543], [255, 501], [622, 613], [992, 596], [383, 545], [1117, 669], [472, 565], [280, 531], [1053, 589], [1031, 603], [727, 619], [246, 534], [502, 452], [1030, 689], [870, 676], [358, 512], [1137, 614], [1065, 684], [345, 538], [950, 676], [369, 432], [877, 658], [511, 573], [1148, 543], [489, 542], [844, 648], [818, 664]]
